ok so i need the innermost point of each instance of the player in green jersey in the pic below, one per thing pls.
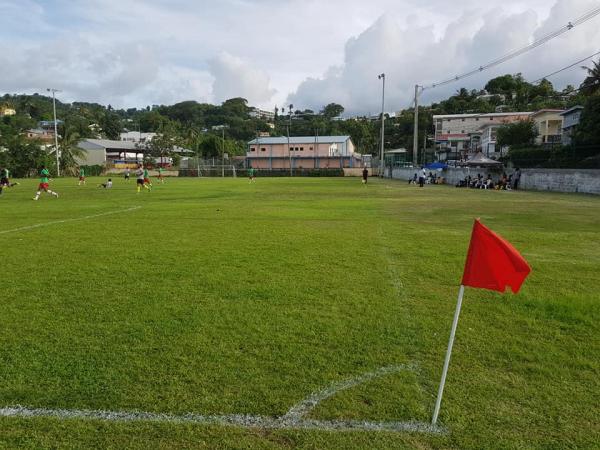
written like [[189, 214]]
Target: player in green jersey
[[161, 178], [44, 184], [147, 181], [4, 181]]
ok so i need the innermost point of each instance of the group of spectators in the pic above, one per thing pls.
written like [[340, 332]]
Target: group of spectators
[[504, 183], [423, 178]]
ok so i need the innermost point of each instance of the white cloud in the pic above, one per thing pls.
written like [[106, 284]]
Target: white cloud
[[411, 53], [234, 77], [132, 53]]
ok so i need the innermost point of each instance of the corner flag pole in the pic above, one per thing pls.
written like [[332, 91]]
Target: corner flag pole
[[438, 402]]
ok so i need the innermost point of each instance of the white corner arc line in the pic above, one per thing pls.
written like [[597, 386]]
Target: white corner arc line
[[300, 410], [293, 419], [45, 224]]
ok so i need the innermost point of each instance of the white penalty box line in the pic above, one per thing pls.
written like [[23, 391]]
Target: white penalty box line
[[74, 219], [295, 418]]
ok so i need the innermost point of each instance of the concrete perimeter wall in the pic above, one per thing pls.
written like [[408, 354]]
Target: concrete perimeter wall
[[357, 172], [585, 181], [562, 180]]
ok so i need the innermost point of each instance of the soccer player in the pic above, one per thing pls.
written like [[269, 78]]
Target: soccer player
[[44, 184], [251, 175], [81, 176], [127, 174], [365, 175], [139, 173], [161, 178], [147, 181], [106, 185], [4, 181]]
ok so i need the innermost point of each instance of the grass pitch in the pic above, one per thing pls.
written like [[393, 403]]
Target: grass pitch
[[219, 297]]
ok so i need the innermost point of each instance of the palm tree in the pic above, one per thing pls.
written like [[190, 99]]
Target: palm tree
[[591, 84], [69, 151]]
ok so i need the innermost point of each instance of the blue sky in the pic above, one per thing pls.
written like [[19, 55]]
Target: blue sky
[[273, 52]]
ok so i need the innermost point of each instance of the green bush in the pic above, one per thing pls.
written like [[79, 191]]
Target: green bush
[[93, 171], [568, 157], [529, 157]]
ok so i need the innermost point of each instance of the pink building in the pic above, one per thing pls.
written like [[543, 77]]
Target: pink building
[[309, 152]]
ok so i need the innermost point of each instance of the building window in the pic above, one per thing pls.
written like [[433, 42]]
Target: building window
[[301, 149], [263, 149], [491, 118], [296, 149], [477, 119], [252, 149], [310, 148], [463, 120]]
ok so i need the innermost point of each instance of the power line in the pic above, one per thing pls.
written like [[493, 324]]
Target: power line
[[566, 68], [518, 52]]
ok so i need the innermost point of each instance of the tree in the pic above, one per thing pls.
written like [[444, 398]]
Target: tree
[[162, 145], [591, 84], [588, 131], [22, 156], [504, 85], [332, 110], [518, 134], [111, 125], [69, 151], [236, 106]]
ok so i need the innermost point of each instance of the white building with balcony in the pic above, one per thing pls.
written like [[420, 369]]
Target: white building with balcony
[[549, 124]]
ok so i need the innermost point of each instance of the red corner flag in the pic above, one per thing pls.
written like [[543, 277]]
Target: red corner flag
[[493, 263]]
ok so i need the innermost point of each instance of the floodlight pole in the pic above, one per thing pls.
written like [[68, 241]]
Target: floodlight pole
[[416, 129], [55, 130], [382, 164]]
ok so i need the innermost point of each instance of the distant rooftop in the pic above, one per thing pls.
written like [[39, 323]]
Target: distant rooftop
[[548, 110], [571, 110], [466, 116], [300, 140], [109, 144]]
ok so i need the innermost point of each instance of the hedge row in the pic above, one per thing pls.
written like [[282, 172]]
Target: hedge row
[[265, 173], [568, 157]]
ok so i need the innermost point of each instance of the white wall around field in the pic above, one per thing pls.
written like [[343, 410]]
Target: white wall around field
[[585, 181]]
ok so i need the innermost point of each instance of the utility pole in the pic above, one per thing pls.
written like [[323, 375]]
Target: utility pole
[[316, 163], [288, 136], [223, 154], [55, 130], [416, 129], [382, 163]]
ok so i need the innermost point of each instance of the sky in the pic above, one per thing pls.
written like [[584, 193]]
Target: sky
[[275, 52]]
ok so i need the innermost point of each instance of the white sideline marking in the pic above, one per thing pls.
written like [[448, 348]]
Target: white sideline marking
[[238, 420], [93, 216], [293, 419]]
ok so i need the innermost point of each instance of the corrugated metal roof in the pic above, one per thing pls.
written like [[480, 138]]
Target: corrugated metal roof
[[300, 140], [108, 144], [571, 110]]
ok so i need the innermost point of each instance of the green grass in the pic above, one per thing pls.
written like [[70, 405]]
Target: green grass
[[219, 297]]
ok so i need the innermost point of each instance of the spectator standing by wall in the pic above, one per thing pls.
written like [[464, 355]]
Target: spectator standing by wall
[[516, 178]]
